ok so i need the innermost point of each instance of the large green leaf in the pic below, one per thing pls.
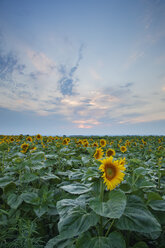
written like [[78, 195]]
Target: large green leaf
[[14, 201], [4, 181], [77, 188], [37, 156], [113, 208], [59, 242], [40, 210], [30, 197], [158, 205], [115, 240], [140, 244], [137, 217], [76, 222], [66, 205]]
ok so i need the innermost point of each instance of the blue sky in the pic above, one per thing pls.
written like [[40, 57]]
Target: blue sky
[[82, 67]]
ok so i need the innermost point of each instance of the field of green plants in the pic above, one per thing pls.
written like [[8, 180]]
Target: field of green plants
[[82, 192]]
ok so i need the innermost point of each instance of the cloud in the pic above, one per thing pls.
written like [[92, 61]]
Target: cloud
[[48, 88], [127, 85], [67, 83], [8, 65], [86, 123], [41, 62]]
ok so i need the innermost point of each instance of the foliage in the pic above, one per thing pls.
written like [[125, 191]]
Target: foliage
[[52, 193]]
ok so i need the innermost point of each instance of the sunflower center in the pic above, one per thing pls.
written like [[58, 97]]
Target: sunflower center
[[110, 172]]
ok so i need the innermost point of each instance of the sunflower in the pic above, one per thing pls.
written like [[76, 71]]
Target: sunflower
[[111, 143], [12, 139], [95, 144], [29, 139], [85, 143], [103, 142], [99, 153], [79, 142], [123, 149], [65, 142], [25, 146], [39, 137], [33, 149], [110, 152], [112, 172], [160, 148]]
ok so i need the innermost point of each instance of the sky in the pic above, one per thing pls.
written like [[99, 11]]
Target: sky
[[91, 67]]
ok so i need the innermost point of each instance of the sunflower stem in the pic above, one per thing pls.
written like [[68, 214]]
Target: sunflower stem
[[109, 228], [101, 199]]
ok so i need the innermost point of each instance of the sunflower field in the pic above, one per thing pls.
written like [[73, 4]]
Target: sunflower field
[[82, 192]]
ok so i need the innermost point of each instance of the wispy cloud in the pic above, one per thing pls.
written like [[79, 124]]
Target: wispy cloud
[[67, 83], [8, 65]]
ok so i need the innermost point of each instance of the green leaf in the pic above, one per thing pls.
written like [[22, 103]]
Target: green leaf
[[66, 205], [10, 188], [14, 201], [137, 217], [76, 222], [126, 187], [40, 210], [140, 244], [153, 196], [3, 147], [37, 156], [5, 181], [30, 197], [77, 188], [59, 241], [97, 242], [113, 208], [115, 240], [158, 205], [50, 176], [140, 171]]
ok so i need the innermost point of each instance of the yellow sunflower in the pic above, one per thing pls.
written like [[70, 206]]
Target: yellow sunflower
[[33, 149], [39, 137], [65, 142], [123, 149], [110, 152], [85, 143], [160, 148], [112, 172], [29, 139], [25, 146], [103, 142], [98, 154], [95, 144], [12, 139]]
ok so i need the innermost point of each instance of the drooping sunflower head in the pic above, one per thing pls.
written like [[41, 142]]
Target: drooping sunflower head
[[110, 152], [102, 142], [99, 153], [123, 149], [112, 172]]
